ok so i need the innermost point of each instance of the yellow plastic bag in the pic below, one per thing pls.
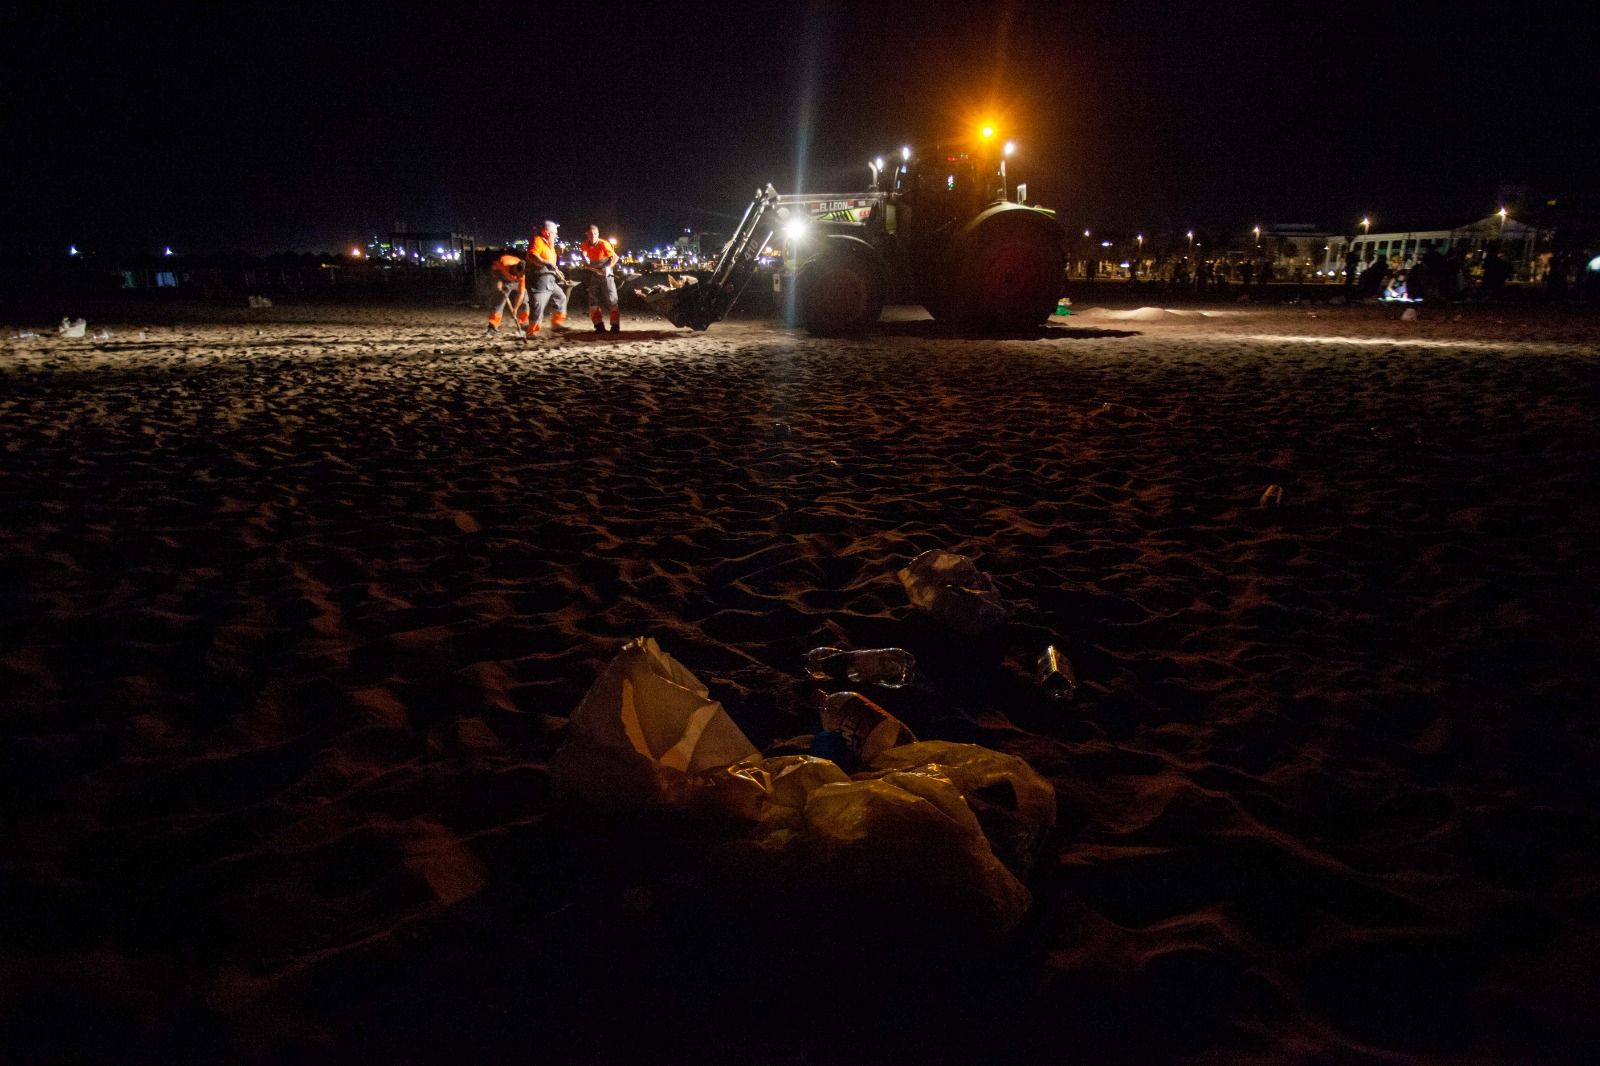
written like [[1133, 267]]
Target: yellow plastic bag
[[1015, 805]]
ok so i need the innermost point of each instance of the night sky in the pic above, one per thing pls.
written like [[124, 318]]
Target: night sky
[[268, 126]]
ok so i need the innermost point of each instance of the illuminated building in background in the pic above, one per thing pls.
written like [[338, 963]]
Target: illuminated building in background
[[1518, 243]]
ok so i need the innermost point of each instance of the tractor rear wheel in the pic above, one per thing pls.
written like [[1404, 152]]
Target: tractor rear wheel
[[1010, 281], [840, 293]]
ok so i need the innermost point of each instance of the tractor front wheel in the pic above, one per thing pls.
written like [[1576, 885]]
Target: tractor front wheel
[[840, 294]]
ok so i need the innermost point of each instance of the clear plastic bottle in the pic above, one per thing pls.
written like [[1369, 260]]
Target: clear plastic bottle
[[1055, 675], [889, 667]]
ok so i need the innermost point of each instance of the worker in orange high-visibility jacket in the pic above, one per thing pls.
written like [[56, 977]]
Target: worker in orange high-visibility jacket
[[547, 280], [602, 259], [511, 281]]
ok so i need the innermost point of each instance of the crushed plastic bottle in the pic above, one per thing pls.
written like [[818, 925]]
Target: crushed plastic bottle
[[889, 667], [1055, 675]]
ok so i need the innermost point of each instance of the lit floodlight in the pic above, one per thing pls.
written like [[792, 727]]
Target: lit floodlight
[[794, 230], [905, 153], [1594, 264], [613, 242], [72, 249], [167, 250], [1009, 148], [1502, 214], [1105, 244], [988, 132], [878, 162], [1085, 233]]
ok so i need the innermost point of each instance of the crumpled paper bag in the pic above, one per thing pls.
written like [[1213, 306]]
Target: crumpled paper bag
[[644, 731], [952, 589]]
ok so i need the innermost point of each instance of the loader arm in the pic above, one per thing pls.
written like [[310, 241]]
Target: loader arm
[[697, 306]]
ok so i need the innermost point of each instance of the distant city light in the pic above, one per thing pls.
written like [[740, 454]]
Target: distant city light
[[72, 249], [1105, 244], [167, 250]]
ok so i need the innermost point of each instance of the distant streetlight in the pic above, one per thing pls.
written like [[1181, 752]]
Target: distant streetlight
[[1140, 239], [1191, 243], [1257, 231], [1366, 224], [1085, 233], [905, 153]]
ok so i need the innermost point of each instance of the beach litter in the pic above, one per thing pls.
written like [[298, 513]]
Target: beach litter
[[889, 667], [25, 335], [1272, 496], [1055, 675], [1117, 412], [258, 301], [1408, 315], [102, 334], [864, 729], [72, 327], [951, 589], [926, 832]]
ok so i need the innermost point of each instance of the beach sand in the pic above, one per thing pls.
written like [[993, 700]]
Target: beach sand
[[295, 603]]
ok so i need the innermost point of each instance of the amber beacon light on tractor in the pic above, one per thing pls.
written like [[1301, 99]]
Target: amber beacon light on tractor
[[941, 225]]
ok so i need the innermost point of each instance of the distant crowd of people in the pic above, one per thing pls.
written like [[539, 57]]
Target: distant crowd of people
[[1454, 275]]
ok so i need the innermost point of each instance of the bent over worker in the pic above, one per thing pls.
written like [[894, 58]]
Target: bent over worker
[[511, 280], [601, 256], [547, 279]]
